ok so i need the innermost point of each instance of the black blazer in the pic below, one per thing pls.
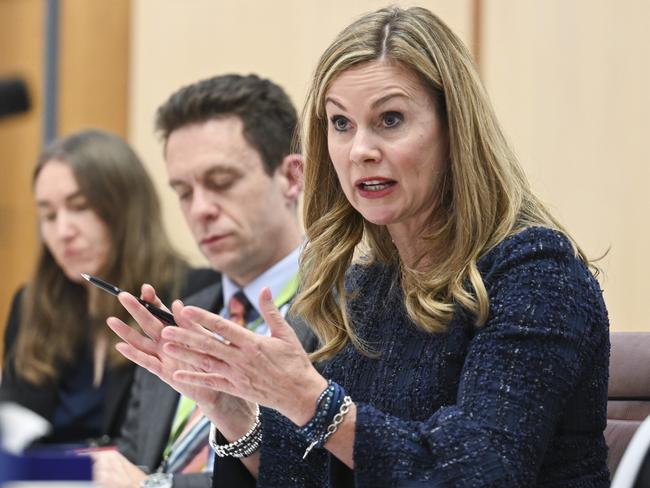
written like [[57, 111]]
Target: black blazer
[[153, 405], [43, 399]]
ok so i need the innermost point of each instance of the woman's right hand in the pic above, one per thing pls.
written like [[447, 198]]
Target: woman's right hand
[[147, 351], [233, 416]]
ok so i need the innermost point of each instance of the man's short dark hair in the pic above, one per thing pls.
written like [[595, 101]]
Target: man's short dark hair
[[268, 116]]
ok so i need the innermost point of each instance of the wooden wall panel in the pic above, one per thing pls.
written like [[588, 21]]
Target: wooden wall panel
[[93, 65], [21, 48]]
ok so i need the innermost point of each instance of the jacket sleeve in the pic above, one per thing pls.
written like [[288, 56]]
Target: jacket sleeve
[[13, 321], [545, 332], [193, 480], [229, 472], [39, 399]]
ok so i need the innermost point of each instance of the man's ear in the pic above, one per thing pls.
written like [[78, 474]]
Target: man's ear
[[290, 172]]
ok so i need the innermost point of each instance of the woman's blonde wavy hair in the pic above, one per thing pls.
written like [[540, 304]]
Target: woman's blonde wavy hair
[[484, 196]]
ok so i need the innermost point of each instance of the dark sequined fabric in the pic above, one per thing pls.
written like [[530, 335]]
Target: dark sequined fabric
[[520, 402]]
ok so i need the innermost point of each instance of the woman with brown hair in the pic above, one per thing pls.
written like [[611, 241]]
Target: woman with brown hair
[[98, 213], [464, 337]]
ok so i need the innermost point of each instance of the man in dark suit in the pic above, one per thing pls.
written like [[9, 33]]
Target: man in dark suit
[[228, 156]]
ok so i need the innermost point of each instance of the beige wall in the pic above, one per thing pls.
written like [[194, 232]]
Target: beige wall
[[569, 79], [571, 84]]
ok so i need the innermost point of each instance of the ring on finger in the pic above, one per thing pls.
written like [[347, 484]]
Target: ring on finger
[[221, 339]]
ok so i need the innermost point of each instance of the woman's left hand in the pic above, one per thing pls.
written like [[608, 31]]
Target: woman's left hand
[[272, 371]]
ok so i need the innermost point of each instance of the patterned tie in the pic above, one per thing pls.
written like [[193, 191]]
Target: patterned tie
[[189, 453], [238, 308]]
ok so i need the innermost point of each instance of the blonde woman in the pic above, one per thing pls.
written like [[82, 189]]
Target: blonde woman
[[467, 347]]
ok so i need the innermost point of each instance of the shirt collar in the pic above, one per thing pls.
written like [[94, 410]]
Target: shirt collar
[[275, 278]]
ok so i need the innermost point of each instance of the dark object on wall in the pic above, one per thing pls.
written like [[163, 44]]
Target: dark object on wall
[[13, 96]]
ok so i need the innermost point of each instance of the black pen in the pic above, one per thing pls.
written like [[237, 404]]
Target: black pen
[[160, 314]]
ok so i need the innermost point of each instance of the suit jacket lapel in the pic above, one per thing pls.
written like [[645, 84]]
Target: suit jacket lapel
[[162, 404], [209, 298]]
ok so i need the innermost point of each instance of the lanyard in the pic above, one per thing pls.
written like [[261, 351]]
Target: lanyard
[[183, 412], [186, 405], [285, 296]]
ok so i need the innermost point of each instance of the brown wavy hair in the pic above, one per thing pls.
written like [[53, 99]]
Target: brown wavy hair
[[57, 314], [484, 196]]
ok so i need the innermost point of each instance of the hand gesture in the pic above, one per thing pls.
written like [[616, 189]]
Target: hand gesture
[[272, 371], [148, 350]]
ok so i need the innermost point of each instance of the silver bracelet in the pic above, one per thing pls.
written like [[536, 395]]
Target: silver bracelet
[[338, 418], [242, 447]]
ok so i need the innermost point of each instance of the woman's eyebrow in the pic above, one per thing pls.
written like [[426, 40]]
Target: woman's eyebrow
[[47, 203], [379, 101], [389, 96], [331, 100], [74, 196]]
